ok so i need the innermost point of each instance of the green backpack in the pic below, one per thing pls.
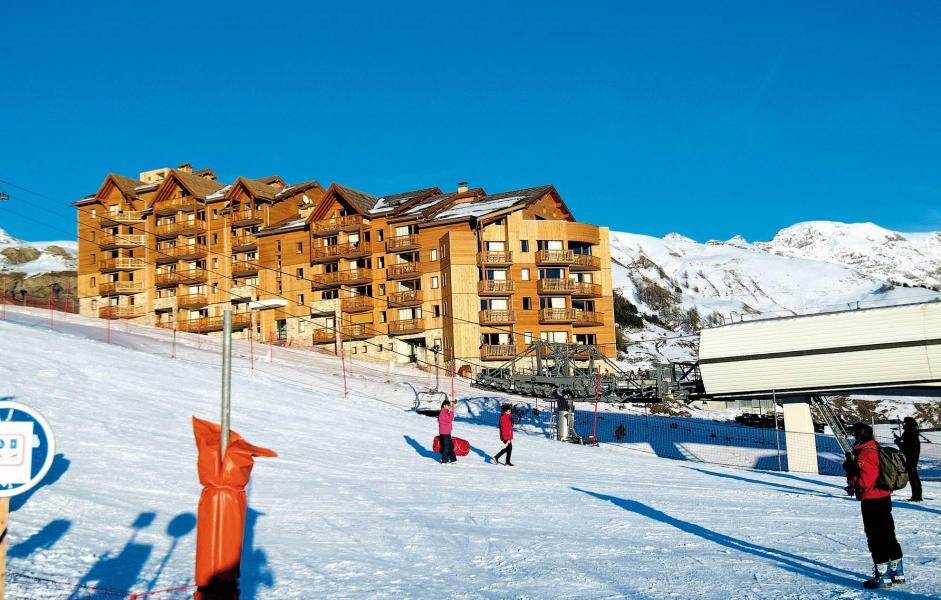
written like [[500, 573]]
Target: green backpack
[[892, 472]]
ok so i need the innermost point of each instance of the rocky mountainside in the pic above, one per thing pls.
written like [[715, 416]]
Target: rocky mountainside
[[34, 266]]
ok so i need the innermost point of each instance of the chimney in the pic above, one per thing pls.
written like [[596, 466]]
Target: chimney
[[305, 207], [461, 187]]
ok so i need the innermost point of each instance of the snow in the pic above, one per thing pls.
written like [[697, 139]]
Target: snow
[[357, 507], [46, 262], [477, 208]]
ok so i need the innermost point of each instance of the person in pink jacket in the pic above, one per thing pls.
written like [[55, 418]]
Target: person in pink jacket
[[445, 424], [506, 436]]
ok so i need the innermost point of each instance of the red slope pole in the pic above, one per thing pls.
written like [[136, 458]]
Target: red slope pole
[[251, 340], [50, 307], [343, 368], [594, 433], [453, 398]]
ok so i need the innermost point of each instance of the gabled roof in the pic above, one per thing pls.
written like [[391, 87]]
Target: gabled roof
[[292, 223], [271, 180], [297, 188], [127, 185], [392, 202], [361, 202], [493, 204], [198, 186], [256, 188]]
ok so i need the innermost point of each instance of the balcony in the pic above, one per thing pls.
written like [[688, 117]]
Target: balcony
[[495, 287], [123, 217], [174, 205], [168, 230], [332, 226], [557, 315], [113, 288], [555, 257], [584, 289], [402, 243], [192, 300], [121, 264], [498, 351], [588, 318], [120, 312], [406, 298], [240, 268], [335, 251], [335, 278], [246, 215], [497, 317], [240, 243], [359, 331], [180, 252], [186, 277], [406, 326], [555, 286], [409, 270], [123, 240], [585, 262], [355, 304], [494, 259], [206, 324], [324, 335]]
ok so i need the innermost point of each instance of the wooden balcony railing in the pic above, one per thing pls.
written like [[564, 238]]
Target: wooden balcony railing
[[494, 258], [401, 243], [555, 257], [358, 303], [120, 312], [180, 251], [335, 251], [247, 215], [406, 298], [192, 300], [172, 205], [243, 267], [497, 317], [185, 277], [498, 351], [586, 290], [123, 216], [585, 262], [406, 326], [556, 315], [348, 277], [180, 228], [324, 335], [403, 271], [206, 324], [588, 317], [123, 240], [555, 286], [359, 331], [244, 241], [110, 288], [121, 264], [495, 286], [328, 226]]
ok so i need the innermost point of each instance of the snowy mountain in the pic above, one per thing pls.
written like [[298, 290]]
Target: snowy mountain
[[680, 285], [357, 506], [34, 266]]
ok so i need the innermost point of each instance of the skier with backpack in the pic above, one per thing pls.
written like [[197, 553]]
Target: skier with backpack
[[873, 472]]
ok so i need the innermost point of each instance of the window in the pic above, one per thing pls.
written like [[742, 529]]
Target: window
[[524, 274], [445, 309], [380, 235], [524, 245], [93, 282], [434, 282], [382, 317], [279, 245], [93, 236], [93, 258], [436, 310], [215, 238], [94, 304], [444, 251], [381, 262], [528, 337], [215, 214], [437, 345], [300, 247], [300, 299], [301, 326], [382, 289], [444, 279], [329, 295], [215, 263], [94, 213], [300, 273], [434, 254], [527, 303], [364, 349], [353, 349]]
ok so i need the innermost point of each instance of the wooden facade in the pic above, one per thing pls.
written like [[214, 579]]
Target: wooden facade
[[391, 277]]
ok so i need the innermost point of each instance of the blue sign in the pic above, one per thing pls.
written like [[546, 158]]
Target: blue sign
[[27, 448]]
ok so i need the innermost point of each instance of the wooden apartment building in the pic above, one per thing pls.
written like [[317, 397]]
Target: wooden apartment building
[[475, 275]]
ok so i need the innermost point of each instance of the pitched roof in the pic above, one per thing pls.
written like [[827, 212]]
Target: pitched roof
[[361, 201], [258, 189], [270, 180], [127, 185], [391, 202], [492, 203], [297, 188], [200, 187]]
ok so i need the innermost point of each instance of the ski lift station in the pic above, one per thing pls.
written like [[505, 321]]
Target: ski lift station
[[800, 360]]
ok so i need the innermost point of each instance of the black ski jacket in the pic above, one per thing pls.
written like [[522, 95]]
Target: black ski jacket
[[910, 445]]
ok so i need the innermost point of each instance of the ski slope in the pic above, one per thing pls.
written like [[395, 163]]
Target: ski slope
[[356, 506]]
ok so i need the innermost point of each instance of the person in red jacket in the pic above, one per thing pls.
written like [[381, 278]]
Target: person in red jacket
[[445, 424], [506, 435], [862, 471]]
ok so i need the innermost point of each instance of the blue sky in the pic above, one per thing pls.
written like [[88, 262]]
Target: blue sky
[[711, 119]]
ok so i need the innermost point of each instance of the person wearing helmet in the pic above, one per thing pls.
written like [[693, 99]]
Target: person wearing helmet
[[862, 471], [910, 445]]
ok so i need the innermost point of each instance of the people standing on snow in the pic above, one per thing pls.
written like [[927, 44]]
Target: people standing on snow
[[910, 445], [445, 424], [506, 435], [862, 471]]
